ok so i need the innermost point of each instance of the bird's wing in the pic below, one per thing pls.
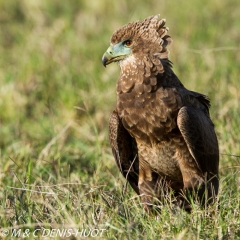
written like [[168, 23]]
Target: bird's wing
[[124, 149], [198, 132]]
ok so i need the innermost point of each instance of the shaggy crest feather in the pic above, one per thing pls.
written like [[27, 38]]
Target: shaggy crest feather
[[150, 29]]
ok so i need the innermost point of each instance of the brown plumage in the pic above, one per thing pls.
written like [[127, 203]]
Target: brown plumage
[[161, 134]]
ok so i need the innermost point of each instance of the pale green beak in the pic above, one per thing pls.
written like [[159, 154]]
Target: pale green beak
[[115, 53]]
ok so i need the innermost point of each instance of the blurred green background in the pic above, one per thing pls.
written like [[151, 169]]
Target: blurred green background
[[56, 97]]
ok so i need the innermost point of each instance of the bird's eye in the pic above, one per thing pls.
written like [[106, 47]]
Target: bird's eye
[[128, 43]]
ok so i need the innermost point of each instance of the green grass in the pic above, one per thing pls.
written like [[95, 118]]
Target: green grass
[[56, 98]]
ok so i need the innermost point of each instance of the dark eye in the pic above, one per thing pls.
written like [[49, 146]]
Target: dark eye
[[128, 43]]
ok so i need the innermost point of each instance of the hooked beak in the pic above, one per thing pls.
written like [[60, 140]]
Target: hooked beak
[[112, 55], [106, 58]]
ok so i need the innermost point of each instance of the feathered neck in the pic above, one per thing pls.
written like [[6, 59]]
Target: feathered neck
[[136, 71]]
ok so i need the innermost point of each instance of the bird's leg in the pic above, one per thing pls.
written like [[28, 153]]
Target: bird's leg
[[146, 185], [193, 178]]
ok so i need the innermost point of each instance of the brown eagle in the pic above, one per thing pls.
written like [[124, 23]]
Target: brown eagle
[[161, 134]]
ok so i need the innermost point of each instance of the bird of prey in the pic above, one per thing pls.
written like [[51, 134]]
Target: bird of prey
[[161, 134]]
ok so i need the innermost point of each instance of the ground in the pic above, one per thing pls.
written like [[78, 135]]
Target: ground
[[57, 169]]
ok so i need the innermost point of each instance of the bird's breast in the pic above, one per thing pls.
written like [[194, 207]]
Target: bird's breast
[[147, 116]]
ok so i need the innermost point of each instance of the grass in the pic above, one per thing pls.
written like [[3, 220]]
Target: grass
[[57, 170]]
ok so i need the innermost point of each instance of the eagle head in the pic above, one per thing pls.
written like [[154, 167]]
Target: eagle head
[[142, 42]]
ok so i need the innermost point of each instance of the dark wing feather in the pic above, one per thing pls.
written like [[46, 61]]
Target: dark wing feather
[[198, 132], [124, 149]]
